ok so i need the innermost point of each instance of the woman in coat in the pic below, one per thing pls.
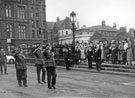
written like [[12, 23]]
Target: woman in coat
[[120, 53], [129, 52]]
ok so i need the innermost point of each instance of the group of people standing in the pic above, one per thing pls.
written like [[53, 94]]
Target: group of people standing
[[93, 53], [115, 52], [45, 63], [119, 52]]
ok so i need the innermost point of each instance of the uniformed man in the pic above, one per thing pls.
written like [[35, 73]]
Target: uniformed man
[[50, 67], [39, 64], [21, 69]]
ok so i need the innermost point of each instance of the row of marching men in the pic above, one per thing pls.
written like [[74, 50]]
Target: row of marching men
[[45, 63]]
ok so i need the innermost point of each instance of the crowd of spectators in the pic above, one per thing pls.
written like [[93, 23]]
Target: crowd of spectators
[[115, 52]]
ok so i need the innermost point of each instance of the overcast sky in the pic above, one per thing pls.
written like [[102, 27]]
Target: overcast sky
[[92, 12]]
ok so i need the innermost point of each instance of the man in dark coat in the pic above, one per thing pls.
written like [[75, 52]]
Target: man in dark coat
[[97, 56], [21, 69], [67, 59], [3, 61], [39, 64], [77, 55], [90, 57]]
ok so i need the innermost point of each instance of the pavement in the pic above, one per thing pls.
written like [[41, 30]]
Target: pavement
[[84, 67]]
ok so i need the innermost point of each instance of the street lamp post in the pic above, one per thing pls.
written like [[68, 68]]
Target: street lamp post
[[73, 20], [41, 29], [134, 34]]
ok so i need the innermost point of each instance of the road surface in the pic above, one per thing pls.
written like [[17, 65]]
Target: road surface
[[69, 84]]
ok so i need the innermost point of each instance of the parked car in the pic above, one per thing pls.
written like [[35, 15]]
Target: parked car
[[10, 59]]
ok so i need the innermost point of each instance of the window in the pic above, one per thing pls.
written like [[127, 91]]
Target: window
[[33, 33], [32, 24], [22, 31], [32, 12], [66, 32], [38, 34], [0, 30], [62, 33], [8, 11], [9, 30], [44, 23], [21, 12], [37, 24], [19, 0], [59, 33], [37, 12], [38, 1]]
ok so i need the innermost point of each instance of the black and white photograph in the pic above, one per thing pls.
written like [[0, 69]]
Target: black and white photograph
[[67, 48]]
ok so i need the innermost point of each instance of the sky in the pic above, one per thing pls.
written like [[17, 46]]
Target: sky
[[92, 12]]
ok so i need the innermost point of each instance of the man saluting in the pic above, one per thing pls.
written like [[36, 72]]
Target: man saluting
[[39, 64], [21, 69]]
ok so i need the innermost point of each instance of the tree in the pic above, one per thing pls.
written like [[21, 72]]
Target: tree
[[96, 36], [122, 35]]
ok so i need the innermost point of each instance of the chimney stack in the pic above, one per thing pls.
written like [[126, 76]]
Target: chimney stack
[[103, 23], [114, 25], [58, 19]]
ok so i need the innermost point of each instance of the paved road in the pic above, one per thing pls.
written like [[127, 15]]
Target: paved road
[[69, 84]]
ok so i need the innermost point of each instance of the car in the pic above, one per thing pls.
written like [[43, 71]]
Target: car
[[10, 59]]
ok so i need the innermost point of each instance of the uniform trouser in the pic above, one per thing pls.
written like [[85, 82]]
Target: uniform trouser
[[90, 63], [39, 69], [21, 76], [98, 65], [5, 68], [51, 77], [67, 64]]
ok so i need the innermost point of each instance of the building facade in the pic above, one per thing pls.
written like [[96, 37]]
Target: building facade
[[106, 32], [81, 35], [84, 34], [57, 29], [22, 22]]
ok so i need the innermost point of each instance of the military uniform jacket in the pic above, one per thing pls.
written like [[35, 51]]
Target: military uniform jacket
[[49, 59], [20, 61], [39, 57]]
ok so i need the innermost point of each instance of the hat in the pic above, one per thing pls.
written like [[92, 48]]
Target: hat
[[46, 46], [17, 50], [37, 48]]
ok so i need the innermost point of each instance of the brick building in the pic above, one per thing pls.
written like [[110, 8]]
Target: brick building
[[57, 30], [22, 22]]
